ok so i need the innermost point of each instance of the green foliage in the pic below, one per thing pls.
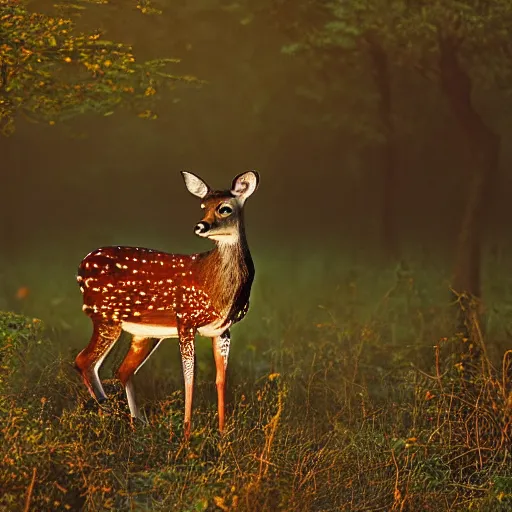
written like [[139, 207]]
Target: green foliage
[[51, 72], [17, 335], [410, 33]]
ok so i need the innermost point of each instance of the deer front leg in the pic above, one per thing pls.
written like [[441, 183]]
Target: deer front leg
[[187, 349], [221, 353]]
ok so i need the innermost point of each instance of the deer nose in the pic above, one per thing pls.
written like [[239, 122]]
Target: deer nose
[[202, 228]]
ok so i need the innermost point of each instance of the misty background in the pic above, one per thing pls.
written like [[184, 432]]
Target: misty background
[[313, 135]]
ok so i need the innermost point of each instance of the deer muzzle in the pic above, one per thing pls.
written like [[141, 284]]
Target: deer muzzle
[[202, 228]]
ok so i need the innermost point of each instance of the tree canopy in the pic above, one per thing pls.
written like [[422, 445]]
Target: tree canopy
[[50, 71]]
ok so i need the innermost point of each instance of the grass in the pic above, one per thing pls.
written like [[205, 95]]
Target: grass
[[349, 389]]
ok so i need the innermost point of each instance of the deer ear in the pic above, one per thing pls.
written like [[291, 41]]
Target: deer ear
[[195, 185], [245, 184]]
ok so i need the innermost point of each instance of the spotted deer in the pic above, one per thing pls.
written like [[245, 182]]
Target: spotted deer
[[154, 295]]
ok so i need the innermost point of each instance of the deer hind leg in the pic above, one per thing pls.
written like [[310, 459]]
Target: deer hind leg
[[89, 360], [140, 351], [221, 353]]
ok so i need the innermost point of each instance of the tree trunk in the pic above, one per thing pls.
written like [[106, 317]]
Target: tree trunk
[[484, 145], [382, 80]]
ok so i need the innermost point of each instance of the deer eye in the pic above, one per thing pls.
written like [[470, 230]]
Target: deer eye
[[225, 210]]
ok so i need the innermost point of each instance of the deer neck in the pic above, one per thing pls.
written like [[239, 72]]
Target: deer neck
[[229, 271]]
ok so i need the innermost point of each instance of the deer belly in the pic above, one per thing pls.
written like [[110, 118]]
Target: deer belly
[[210, 330], [149, 330]]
